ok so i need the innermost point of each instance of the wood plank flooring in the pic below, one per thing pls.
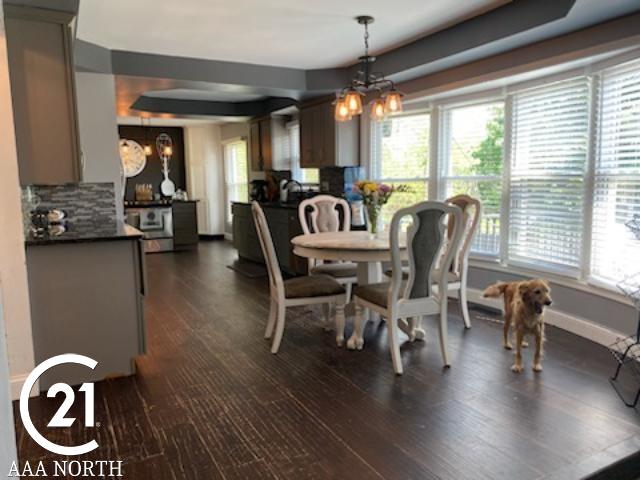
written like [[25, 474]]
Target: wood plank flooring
[[211, 402]]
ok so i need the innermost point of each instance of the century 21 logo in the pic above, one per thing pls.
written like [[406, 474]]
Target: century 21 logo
[[60, 419]]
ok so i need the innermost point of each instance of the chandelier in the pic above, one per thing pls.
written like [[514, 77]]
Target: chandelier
[[349, 100]]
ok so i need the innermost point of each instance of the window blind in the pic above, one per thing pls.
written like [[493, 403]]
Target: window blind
[[549, 163], [615, 251], [236, 168]]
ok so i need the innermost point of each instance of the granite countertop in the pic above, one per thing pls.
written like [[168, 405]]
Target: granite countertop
[[87, 233], [155, 203], [288, 205]]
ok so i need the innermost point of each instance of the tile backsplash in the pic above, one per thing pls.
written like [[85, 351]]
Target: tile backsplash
[[83, 203]]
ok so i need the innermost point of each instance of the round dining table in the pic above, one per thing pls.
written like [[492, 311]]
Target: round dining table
[[365, 249]]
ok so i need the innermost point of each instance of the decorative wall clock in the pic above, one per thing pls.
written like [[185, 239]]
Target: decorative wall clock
[[132, 157]]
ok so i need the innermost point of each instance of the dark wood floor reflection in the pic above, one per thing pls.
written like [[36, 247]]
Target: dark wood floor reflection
[[211, 402]]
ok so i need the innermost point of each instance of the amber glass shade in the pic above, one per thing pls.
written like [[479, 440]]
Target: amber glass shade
[[353, 101], [377, 110], [342, 112], [167, 151], [393, 102], [147, 150]]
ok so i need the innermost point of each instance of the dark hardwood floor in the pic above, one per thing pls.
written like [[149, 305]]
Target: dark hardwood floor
[[211, 402]]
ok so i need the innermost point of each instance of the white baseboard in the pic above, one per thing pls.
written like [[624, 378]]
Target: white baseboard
[[228, 236], [578, 326], [16, 383]]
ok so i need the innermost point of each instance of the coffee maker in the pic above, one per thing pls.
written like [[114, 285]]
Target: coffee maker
[[258, 190]]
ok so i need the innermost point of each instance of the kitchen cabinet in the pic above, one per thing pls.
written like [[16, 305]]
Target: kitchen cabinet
[[185, 225], [325, 142], [87, 297], [283, 224], [43, 95], [260, 144]]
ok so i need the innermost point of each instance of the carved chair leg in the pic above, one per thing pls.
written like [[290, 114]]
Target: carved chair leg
[[277, 338], [356, 341], [340, 321], [273, 312], [394, 344]]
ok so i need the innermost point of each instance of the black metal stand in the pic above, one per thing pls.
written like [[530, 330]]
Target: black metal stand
[[626, 351]]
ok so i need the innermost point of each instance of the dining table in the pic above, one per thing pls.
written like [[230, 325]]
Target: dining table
[[366, 250]]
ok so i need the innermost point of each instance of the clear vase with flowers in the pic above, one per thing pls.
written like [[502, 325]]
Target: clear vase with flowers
[[374, 196]]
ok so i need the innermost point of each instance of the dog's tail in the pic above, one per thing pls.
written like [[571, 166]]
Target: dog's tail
[[496, 290]]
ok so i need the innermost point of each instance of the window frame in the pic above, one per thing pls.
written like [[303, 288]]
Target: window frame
[[437, 181], [227, 184]]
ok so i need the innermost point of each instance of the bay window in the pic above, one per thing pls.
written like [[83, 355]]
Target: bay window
[[555, 163]]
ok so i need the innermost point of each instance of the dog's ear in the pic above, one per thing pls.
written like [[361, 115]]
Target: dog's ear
[[523, 290]]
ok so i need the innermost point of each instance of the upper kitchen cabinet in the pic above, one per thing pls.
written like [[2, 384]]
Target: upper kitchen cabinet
[[325, 142], [260, 144], [43, 95]]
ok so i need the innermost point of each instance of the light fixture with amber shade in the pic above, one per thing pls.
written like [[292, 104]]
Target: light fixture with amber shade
[[349, 100]]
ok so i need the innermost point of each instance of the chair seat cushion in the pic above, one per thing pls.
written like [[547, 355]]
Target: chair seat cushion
[[312, 286], [451, 277], [375, 293], [337, 270]]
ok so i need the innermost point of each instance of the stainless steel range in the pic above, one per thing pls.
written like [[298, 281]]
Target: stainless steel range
[[156, 223]]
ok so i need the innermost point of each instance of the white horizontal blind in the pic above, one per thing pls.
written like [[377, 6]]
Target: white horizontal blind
[[400, 155], [472, 163], [549, 163], [615, 252]]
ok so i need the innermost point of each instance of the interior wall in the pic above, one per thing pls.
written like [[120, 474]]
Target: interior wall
[[7, 433], [205, 176], [14, 296], [96, 96]]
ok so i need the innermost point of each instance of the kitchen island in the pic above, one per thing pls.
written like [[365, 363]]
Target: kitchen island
[[87, 288]]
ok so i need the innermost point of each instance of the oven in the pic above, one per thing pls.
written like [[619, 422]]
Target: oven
[[156, 224]]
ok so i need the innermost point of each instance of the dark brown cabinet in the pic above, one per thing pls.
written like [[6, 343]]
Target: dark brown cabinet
[[185, 225], [325, 142], [260, 144], [43, 95], [283, 225]]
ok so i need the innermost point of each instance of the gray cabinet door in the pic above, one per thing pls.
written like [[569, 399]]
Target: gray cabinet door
[[43, 96]]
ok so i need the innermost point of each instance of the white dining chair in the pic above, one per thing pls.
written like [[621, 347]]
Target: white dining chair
[[413, 297], [323, 212], [458, 272], [298, 291]]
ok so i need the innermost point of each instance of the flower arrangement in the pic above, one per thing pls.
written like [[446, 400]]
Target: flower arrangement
[[374, 196]]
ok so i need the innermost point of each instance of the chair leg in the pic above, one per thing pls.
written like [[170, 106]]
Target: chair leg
[[348, 288], [394, 344], [356, 341], [279, 328], [417, 332], [273, 312], [340, 321], [443, 331], [463, 304], [326, 316]]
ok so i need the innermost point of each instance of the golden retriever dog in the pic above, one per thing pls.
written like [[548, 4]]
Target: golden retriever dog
[[524, 304]]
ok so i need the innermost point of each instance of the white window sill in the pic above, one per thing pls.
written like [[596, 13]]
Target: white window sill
[[599, 290]]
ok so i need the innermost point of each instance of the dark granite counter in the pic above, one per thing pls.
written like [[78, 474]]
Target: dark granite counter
[[288, 205], [155, 203], [108, 231]]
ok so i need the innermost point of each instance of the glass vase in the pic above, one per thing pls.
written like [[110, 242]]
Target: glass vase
[[373, 219]]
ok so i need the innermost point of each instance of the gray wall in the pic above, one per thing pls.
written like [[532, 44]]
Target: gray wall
[[99, 131], [578, 303], [7, 434]]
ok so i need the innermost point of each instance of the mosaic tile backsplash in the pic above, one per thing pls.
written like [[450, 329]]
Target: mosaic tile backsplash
[[85, 204]]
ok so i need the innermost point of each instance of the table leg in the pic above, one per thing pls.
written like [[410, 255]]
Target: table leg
[[369, 272]]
